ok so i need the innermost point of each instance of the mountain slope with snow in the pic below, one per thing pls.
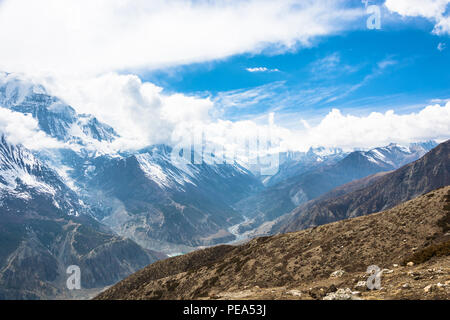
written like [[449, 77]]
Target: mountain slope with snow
[[54, 117], [167, 206], [281, 198], [45, 227], [430, 172]]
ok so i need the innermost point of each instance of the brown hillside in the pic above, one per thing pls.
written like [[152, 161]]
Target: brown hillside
[[298, 265]]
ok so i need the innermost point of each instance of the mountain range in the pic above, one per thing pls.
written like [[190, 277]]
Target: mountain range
[[410, 244], [45, 228], [330, 257], [112, 213], [283, 197], [428, 173]]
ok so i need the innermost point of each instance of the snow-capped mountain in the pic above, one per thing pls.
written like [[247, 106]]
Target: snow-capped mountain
[[25, 177], [54, 117], [295, 163], [284, 196], [64, 204], [45, 227], [394, 155], [164, 205]]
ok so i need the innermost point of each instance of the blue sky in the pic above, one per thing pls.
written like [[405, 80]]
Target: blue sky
[[398, 67], [158, 70]]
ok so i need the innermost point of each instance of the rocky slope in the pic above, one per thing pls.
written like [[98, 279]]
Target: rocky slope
[[165, 206], [140, 194], [45, 227], [303, 265], [430, 172]]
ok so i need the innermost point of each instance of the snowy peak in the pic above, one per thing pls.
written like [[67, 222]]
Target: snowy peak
[[19, 168], [160, 170], [24, 177], [396, 155], [54, 117]]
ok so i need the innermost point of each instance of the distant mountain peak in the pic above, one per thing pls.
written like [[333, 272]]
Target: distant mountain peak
[[54, 116]]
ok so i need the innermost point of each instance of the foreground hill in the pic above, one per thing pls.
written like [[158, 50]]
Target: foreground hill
[[430, 172], [298, 265]]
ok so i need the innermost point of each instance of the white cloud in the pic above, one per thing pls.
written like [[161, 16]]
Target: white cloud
[[23, 129], [441, 46], [242, 98], [99, 36], [330, 67], [142, 114], [434, 10], [375, 129], [261, 69], [334, 130]]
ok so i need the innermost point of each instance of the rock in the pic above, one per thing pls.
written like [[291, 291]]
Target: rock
[[337, 274], [434, 287], [295, 293], [410, 264], [429, 288], [343, 294], [441, 285], [387, 271], [361, 285], [395, 265], [317, 292], [331, 288], [406, 286], [415, 275]]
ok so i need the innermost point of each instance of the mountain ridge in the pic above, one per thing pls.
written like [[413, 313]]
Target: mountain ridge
[[298, 265], [430, 172], [44, 228]]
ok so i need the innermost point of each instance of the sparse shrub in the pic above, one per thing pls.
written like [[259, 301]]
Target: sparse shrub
[[444, 223], [435, 250]]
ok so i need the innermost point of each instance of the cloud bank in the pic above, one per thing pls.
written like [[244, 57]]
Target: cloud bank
[[142, 114], [24, 129], [97, 36]]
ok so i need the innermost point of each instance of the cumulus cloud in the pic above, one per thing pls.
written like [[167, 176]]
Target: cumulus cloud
[[376, 129], [24, 129], [139, 111], [435, 10], [143, 114], [100, 36]]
